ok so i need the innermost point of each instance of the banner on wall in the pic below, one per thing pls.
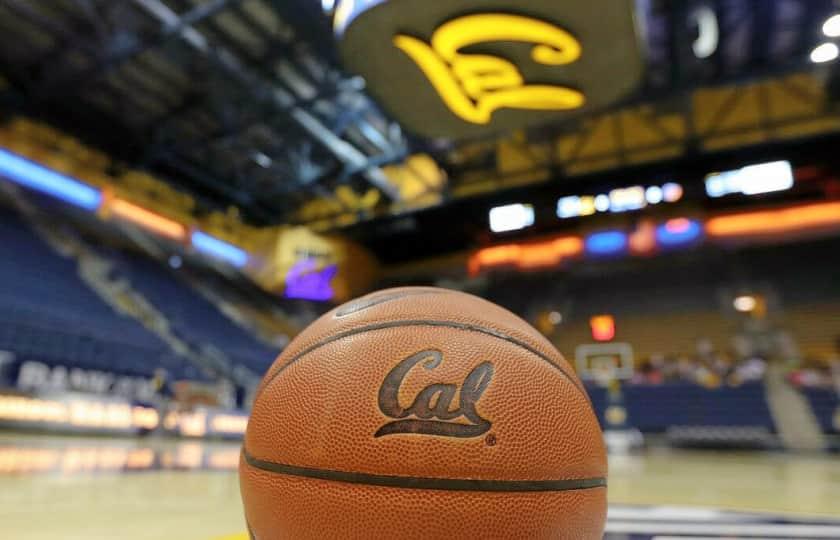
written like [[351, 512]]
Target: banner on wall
[[69, 412], [468, 67], [28, 375], [75, 412], [299, 263]]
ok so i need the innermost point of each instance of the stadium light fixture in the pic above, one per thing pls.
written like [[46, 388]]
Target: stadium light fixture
[[672, 192], [744, 303], [716, 185], [606, 243], [751, 180], [31, 175], [526, 256], [831, 26], [603, 327], [708, 32], [678, 232], [575, 206], [147, 219], [219, 249], [587, 205], [773, 222], [262, 160], [626, 199], [825, 52], [766, 177], [642, 241], [568, 207], [654, 195], [511, 217], [491, 257], [623, 199], [602, 202]]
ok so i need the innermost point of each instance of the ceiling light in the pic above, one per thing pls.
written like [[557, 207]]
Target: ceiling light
[[744, 304], [511, 217], [831, 26], [824, 53], [653, 194], [262, 160]]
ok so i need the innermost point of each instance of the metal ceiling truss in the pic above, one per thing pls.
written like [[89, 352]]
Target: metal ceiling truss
[[244, 102], [272, 94], [723, 119], [190, 92], [755, 41]]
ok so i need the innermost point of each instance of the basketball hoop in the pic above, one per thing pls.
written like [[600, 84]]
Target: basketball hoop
[[604, 363], [603, 371]]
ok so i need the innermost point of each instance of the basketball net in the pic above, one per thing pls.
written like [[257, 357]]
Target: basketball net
[[603, 372]]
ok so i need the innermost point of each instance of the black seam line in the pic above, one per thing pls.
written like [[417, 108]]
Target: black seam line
[[339, 313], [419, 322], [410, 482]]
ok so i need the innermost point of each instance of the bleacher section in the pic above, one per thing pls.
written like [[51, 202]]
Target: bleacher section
[[47, 313], [655, 409], [192, 316], [826, 404], [693, 293]]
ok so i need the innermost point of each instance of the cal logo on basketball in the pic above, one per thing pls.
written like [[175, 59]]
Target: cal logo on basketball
[[432, 411]]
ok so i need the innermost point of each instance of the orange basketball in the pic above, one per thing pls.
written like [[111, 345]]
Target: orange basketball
[[422, 413]]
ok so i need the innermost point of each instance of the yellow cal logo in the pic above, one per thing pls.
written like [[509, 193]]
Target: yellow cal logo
[[473, 86]]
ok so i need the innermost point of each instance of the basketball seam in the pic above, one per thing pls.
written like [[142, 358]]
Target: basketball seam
[[383, 300], [418, 322], [413, 482]]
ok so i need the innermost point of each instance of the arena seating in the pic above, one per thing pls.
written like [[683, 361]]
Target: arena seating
[[192, 316], [655, 409], [825, 403], [47, 313]]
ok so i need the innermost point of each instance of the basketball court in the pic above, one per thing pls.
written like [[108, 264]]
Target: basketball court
[[191, 492]]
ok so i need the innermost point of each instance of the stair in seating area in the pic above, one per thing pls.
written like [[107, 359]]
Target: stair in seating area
[[796, 422]]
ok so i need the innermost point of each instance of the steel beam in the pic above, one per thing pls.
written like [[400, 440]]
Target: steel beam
[[367, 132], [179, 27], [275, 96]]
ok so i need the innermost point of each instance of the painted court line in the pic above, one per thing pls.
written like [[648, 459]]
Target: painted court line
[[762, 530]]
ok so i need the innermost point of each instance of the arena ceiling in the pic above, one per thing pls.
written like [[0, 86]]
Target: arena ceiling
[[239, 102], [245, 102]]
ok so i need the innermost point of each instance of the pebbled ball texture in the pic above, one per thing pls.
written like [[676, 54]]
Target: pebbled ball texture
[[420, 412]]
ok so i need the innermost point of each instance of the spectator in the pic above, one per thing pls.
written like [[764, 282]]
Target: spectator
[[707, 368]]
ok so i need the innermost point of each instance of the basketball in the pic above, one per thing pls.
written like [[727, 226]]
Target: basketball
[[421, 412]]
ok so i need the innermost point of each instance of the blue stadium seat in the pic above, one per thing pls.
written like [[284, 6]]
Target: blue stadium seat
[[825, 404], [47, 313], [191, 315], [654, 409]]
